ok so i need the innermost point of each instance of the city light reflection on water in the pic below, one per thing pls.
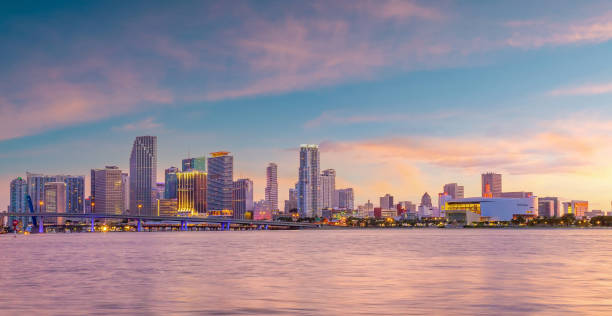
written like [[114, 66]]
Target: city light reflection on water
[[393, 271]]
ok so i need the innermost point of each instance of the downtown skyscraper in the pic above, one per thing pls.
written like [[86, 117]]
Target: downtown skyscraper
[[107, 191], [143, 175], [271, 191], [220, 181], [491, 185], [242, 198], [18, 200], [308, 182], [328, 188]]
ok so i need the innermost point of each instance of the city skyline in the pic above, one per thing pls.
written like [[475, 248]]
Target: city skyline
[[407, 97]]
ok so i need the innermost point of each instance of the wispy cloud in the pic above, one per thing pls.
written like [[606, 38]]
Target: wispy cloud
[[587, 89], [538, 33], [148, 124], [343, 117]]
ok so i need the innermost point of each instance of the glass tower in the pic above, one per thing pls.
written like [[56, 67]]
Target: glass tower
[[143, 175], [220, 181], [308, 183]]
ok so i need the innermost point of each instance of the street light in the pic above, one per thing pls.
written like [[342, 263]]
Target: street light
[[139, 207]]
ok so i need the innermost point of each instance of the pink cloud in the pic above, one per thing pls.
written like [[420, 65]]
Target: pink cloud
[[56, 97], [588, 89]]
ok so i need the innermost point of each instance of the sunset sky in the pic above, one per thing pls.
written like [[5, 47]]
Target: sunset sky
[[402, 96]]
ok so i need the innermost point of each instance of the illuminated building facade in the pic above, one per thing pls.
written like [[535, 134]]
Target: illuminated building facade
[[191, 192], [167, 207], [328, 188], [107, 191], [242, 198], [491, 185], [143, 175], [578, 208], [271, 191], [55, 200], [220, 181], [198, 164], [502, 209], [309, 188]]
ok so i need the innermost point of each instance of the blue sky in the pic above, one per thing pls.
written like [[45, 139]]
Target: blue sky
[[403, 96]]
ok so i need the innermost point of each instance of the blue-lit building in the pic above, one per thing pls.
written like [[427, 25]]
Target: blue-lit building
[[18, 192], [171, 183], [75, 191], [220, 181], [198, 164]]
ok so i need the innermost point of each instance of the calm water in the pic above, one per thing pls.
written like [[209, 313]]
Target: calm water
[[418, 271]]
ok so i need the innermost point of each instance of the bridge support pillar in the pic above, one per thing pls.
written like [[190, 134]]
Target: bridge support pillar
[[93, 224], [139, 225], [227, 226], [41, 225], [266, 227]]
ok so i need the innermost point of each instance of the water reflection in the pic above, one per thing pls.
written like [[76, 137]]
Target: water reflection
[[440, 271]]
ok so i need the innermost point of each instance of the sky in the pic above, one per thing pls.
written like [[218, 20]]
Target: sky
[[401, 96]]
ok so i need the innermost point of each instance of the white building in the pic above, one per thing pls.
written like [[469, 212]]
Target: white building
[[108, 190], [502, 209], [271, 191], [309, 187], [328, 188]]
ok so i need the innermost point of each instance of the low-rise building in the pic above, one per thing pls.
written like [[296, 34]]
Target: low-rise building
[[501, 209]]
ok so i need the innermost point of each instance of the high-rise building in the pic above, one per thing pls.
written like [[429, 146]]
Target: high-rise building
[[328, 188], [220, 181], [170, 178], [143, 175], [191, 192], [386, 202], [75, 191], [292, 203], [491, 185], [242, 198], [125, 182], [160, 191], [55, 200], [198, 164], [454, 190], [18, 201], [271, 191], [426, 200], [308, 184], [555, 203], [107, 191], [345, 199]]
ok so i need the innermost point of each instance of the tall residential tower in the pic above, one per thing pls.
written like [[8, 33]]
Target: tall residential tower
[[308, 182], [271, 192]]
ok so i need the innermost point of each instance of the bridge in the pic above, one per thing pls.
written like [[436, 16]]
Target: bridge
[[184, 221]]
